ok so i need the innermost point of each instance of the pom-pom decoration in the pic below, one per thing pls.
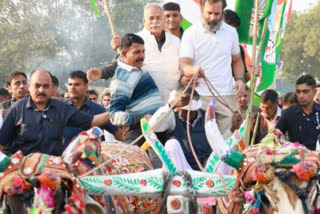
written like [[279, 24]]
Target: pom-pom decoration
[[305, 170], [263, 173]]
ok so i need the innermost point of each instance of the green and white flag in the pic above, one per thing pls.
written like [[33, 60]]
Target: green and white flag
[[245, 10], [278, 13], [277, 21]]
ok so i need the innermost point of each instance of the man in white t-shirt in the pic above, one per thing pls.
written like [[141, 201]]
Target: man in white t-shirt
[[213, 48]]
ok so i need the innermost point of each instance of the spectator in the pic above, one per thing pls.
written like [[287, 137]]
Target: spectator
[[66, 95], [242, 103], [280, 100], [269, 114], [77, 87], [317, 96], [55, 87], [173, 19], [301, 122], [105, 99], [289, 99], [4, 95], [198, 52], [93, 95], [17, 86], [35, 123]]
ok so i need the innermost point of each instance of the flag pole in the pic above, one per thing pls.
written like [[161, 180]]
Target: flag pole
[[106, 6], [253, 78], [263, 35]]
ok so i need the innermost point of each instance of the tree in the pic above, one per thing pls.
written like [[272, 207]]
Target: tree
[[61, 36], [23, 36], [301, 45]]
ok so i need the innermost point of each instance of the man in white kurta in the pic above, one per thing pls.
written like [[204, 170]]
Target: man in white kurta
[[162, 51]]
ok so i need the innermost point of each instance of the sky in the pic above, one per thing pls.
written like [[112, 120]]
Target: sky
[[298, 5]]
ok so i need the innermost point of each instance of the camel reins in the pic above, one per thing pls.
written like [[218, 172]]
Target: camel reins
[[302, 193]]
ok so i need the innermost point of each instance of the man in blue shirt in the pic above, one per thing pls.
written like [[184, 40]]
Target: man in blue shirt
[[77, 88], [302, 121], [35, 123]]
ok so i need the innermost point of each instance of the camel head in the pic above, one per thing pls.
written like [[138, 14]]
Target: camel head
[[274, 176], [277, 177], [86, 146]]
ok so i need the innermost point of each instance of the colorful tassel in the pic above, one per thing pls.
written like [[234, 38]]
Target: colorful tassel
[[305, 170], [263, 173], [49, 179]]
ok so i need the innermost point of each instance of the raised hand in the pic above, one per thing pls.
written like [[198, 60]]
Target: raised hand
[[94, 74], [115, 42]]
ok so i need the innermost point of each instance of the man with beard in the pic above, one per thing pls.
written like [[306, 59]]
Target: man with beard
[[161, 57], [211, 47], [35, 123], [302, 122], [17, 86]]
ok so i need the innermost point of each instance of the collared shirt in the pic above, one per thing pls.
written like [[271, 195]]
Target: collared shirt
[[91, 108], [213, 53], [125, 66], [29, 129], [270, 123], [181, 33], [300, 127]]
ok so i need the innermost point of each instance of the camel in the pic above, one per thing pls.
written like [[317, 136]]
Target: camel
[[274, 176], [54, 181], [123, 159]]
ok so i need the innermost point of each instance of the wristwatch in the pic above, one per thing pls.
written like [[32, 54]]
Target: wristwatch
[[242, 79]]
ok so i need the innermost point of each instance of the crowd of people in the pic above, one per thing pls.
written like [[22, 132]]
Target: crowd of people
[[147, 78]]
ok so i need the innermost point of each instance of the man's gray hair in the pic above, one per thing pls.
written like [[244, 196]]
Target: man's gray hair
[[151, 5]]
